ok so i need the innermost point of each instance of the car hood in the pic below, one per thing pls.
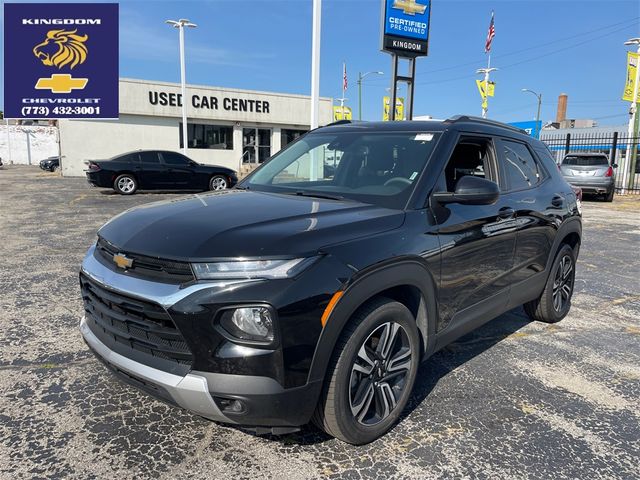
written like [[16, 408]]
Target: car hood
[[240, 223]]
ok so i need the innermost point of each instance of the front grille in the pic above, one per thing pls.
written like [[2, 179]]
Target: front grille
[[144, 266], [129, 323]]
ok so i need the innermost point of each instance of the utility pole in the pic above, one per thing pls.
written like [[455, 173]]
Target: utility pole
[[361, 77], [539, 97], [315, 64], [629, 168], [180, 24]]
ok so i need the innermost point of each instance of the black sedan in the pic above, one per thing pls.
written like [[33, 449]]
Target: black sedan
[[157, 170], [50, 164]]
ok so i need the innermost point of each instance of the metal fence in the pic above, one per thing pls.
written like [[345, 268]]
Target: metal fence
[[614, 144]]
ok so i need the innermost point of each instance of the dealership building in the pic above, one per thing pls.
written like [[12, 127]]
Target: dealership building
[[229, 127]]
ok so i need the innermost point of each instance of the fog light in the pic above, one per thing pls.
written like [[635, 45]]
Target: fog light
[[230, 405], [249, 323]]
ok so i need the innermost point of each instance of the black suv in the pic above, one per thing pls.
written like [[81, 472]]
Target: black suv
[[307, 294]]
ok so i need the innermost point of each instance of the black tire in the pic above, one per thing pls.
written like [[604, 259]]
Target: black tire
[[125, 184], [609, 196], [547, 308], [218, 182], [335, 411]]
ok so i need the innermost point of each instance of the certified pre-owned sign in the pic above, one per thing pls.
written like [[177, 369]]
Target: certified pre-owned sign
[[61, 60], [405, 27]]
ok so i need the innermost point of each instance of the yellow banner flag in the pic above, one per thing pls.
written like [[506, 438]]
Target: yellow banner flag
[[342, 113], [399, 108], [490, 90], [632, 66]]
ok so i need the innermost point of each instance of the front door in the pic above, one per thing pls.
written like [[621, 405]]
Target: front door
[[256, 145], [477, 241]]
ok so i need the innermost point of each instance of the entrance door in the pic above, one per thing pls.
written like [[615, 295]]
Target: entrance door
[[256, 145]]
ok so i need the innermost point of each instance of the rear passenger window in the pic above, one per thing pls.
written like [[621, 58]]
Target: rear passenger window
[[520, 168], [149, 157]]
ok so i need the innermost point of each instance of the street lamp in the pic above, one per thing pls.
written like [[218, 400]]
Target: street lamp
[[539, 96], [360, 78], [485, 100], [629, 168], [180, 24]]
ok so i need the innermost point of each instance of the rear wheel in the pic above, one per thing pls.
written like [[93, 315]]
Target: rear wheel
[[218, 182], [555, 301], [371, 374], [609, 196], [125, 184]]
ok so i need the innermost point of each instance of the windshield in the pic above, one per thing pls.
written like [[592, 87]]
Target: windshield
[[377, 168], [585, 161]]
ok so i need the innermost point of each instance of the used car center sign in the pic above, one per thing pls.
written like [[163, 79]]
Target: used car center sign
[[210, 102], [61, 60], [405, 27]]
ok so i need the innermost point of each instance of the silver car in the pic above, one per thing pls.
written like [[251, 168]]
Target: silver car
[[592, 172]]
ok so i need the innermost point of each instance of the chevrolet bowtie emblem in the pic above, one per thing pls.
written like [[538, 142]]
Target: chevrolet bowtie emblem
[[409, 7], [61, 83], [122, 261]]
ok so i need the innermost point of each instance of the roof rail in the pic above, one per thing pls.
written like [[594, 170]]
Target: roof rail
[[470, 118], [339, 122]]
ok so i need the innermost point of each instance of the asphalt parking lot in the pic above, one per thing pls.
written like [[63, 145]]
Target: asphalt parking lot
[[515, 399]]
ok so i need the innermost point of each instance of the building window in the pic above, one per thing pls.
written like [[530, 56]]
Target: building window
[[287, 136], [217, 137]]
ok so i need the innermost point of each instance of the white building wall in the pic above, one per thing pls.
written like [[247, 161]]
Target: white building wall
[[146, 124], [29, 143]]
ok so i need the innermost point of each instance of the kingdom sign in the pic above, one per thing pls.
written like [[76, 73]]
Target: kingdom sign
[[61, 60]]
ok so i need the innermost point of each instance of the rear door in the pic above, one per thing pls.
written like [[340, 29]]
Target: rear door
[[180, 170], [153, 171], [538, 207]]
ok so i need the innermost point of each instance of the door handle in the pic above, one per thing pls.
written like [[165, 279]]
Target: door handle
[[557, 201], [506, 212]]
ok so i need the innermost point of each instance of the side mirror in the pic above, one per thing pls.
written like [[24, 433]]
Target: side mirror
[[470, 190], [614, 165]]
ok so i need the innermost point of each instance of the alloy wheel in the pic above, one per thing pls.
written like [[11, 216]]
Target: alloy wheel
[[379, 373], [218, 183], [126, 185], [563, 284]]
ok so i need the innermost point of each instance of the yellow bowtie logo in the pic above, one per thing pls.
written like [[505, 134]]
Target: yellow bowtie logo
[[61, 83], [409, 7]]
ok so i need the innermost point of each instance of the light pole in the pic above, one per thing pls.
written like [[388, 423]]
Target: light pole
[[180, 24], [485, 100], [539, 96], [360, 78], [632, 145]]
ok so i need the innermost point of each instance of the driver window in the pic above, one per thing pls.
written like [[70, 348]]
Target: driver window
[[472, 156]]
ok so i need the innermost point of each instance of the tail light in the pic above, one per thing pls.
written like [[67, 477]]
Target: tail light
[[577, 191], [609, 172], [93, 167]]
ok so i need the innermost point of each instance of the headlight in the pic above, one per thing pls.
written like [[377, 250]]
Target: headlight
[[251, 268], [249, 323]]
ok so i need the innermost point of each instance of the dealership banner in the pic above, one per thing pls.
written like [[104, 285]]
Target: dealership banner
[[61, 60], [399, 108], [632, 65], [342, 113], [405, 27]]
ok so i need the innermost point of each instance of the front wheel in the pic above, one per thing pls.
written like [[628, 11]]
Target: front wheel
[[555, 301], [371, 374], [218, 182], [125, 184]]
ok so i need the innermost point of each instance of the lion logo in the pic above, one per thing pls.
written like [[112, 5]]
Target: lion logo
[[71, 49]]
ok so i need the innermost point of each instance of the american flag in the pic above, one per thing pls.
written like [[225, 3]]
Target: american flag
[[344, 77], [490, 35]]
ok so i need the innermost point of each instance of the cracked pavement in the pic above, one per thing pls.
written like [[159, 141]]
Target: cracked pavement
[[514, 399]]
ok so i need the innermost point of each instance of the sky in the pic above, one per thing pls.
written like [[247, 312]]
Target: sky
[[561, 46]]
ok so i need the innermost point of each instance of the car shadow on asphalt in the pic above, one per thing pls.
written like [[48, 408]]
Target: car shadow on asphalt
[[433, 369]]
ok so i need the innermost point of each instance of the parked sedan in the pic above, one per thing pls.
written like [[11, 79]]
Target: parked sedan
[[157, 170], [591, 172], [50, 164]]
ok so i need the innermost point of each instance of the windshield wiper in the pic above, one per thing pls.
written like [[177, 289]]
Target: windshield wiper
[[302, 193]]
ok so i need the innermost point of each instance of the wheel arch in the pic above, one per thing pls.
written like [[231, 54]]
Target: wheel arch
[[408, 281], [569, 233]]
